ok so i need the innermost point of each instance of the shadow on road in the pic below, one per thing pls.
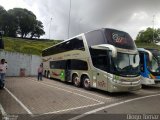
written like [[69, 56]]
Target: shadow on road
[[94, 90], [153, 87]]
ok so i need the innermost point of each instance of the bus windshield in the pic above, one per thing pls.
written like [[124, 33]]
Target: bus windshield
[[153, 65], [126, 64], [156, 53], [158, 56]]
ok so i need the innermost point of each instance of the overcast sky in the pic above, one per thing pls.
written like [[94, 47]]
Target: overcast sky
[[127, 15]]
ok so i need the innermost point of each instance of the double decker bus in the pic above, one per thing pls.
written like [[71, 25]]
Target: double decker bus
[[106, 59], [149, 66]]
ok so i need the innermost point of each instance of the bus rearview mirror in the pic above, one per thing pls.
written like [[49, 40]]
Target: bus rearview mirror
[[150, 55], [106, 47]]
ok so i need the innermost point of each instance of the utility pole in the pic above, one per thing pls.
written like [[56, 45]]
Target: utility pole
[[69, 19], [50, 28]]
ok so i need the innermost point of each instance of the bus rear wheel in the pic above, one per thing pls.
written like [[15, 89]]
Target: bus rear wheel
[[1, 85], [86, 83], [48, 75], [45, 74], [76, 81]]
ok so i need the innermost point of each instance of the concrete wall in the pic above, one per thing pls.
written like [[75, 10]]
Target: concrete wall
[[17, 61]]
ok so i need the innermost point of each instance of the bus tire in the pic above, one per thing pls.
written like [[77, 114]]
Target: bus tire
[[86, 82], [1, 85], [45, 73], [76, 80], [48, 75]]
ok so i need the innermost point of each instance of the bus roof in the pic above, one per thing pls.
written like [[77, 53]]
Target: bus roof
[[101, 29], [63, 41], [141, 49]]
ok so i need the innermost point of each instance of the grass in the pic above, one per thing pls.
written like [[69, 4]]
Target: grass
[[34, 47], [147, 45]]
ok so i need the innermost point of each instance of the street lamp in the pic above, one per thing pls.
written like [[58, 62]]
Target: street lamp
[[69, 19]]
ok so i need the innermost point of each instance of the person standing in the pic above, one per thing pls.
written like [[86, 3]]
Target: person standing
[[6, 65], [3, 68], [40, 72]]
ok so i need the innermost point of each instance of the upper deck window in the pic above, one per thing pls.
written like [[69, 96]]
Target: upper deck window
[[95, 38], [120, 39], [116, 38], [73, 44]]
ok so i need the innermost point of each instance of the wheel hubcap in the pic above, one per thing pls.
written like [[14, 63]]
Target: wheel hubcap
[[76, 81], [86, 82], [49, 75]]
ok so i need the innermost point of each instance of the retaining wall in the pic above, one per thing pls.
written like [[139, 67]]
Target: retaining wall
[[21, 62]]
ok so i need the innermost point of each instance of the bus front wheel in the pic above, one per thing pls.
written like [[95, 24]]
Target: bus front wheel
[[86, 83], [48, 75], [76, 81]]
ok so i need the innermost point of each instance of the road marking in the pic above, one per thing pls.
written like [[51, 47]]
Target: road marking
[[111, 105], [4, 114], [70, 109], [76, 90], [71, 92], [64, 110], [18, 101], [68, 91]]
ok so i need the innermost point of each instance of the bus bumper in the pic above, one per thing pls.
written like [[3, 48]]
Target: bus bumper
[[147, 81], [124, 86]]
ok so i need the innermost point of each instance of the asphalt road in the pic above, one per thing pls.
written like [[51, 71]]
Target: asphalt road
[[25, 98]]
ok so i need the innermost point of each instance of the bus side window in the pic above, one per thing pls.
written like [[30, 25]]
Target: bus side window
[[100, 59], [79, 65], [142, 62]]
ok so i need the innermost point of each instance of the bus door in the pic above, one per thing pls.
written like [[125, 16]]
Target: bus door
[[101, 80], [142, 63], [68, 71], [101, 62], [144, 68]]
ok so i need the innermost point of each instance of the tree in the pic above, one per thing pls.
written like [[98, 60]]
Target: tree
[[20, 22], [25, 20], [3, 13], [149, 35], [7, 23], [37, 30]]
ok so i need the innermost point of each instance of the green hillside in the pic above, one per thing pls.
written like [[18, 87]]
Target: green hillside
[[147, 45], [35, 47], [27, 46]]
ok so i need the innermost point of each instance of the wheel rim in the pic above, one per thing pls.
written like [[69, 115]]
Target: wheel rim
[[76, 81], [86, 83]]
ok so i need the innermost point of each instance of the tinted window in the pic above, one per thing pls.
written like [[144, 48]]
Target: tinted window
[[141, 55], [73, 44], [58, 64], [73, 64], [79, 65], [120, 39], [95, 38], [114, 37], [100, 59]]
